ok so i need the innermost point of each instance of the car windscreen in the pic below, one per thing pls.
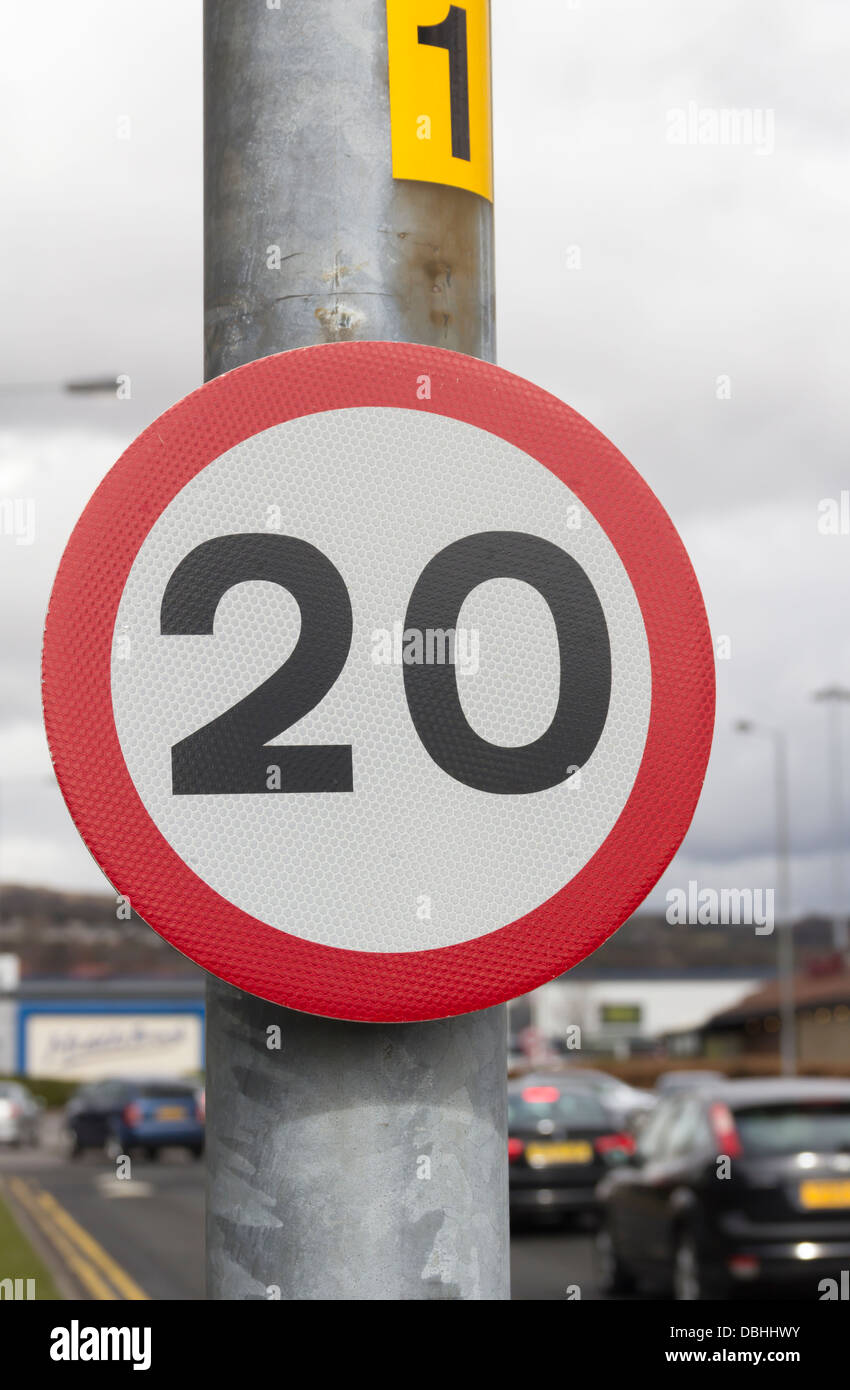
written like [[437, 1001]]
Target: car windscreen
[[795, 1127], [576, 1109]]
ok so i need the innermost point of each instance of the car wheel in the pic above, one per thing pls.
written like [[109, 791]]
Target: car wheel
[[151, 1153], [196, 1150], [614, 1276]]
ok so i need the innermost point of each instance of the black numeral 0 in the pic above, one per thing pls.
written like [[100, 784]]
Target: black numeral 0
[[585, 652], [228, 754]]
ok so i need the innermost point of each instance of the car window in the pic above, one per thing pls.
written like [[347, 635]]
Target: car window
[[653, 1140], [110, 1092], [689, 1129], [536, 1103], [795, 1127]]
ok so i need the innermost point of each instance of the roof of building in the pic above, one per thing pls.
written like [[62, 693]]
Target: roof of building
[[810, 991]]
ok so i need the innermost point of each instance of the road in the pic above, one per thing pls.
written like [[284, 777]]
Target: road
[[143, 1237], [553, 1264], [108, 1238]]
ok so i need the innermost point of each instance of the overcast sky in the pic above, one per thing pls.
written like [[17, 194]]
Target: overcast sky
[[633, 273]]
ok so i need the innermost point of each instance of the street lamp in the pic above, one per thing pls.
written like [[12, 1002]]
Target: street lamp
[[833, 697], [784, 930], [78, 386]]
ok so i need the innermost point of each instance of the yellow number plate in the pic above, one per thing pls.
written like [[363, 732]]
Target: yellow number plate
[[831, 1192], [171, 1112], [439, 57], [544, 1155]]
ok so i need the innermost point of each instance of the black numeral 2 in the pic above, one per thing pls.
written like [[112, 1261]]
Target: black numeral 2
[[229, 754]]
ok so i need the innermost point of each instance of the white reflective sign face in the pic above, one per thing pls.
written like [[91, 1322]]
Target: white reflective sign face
[[372, 845]]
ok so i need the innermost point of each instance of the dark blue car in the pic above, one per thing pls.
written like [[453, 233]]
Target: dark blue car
[[119, 1116]]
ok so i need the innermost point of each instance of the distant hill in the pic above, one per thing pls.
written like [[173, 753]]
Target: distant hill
[[79, 935], [647, 943]]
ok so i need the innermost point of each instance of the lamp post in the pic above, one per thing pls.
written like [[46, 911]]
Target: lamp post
[[77, 386], [784, 929], [833, 697], [309, 1148]]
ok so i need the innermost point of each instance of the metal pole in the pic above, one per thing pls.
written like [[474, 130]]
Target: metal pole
[[785, 943], [357, 1161], [834, 697], [784, 928], [836, 797]]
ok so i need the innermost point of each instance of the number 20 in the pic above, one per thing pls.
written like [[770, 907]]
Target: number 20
[[229, 755]]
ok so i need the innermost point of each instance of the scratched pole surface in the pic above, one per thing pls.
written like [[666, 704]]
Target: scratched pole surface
[[357, 1161]]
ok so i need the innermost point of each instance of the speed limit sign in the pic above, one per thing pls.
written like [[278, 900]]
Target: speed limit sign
[[378, 681]]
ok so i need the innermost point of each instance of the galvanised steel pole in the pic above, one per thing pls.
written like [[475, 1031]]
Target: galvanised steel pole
[[834, 697], [784, 925], [785, 943], [355, 1161]]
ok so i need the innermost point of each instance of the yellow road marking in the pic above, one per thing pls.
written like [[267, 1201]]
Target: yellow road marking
[[90, 1247], [81, 1250], [86, 1274]]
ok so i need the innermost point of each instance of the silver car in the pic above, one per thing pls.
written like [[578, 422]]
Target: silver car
[[20, 1114], [630, 1103]]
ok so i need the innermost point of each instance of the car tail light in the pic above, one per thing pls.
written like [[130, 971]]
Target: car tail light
[[541, 1095], [611, 1143], [725, 1133], [201, 1107], [132, 1114], [516, 1149], [743, 1266]]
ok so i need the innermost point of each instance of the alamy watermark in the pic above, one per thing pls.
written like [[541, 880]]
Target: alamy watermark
[[80, 1342], [430, 646], [746, 126], [834, 515], [17, 519], [17, 1288], [728, 907]]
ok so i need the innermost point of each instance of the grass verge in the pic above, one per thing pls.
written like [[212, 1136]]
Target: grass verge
[[18, 1259]]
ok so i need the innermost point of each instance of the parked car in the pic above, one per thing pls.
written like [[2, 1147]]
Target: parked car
[[118, 1116], [628, 1102], [558, 1137], [685, 1080], [732, 1185], [20, 1114]]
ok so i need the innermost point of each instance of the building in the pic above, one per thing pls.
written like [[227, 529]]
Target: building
[[620, 1016], [67, 1030], [752, 1025]]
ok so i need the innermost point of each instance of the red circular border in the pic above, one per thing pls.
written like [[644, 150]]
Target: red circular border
[[138, 861]]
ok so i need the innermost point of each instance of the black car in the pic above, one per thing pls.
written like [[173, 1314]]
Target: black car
[[731, 1186], [117, 1116], [560, 1137]]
